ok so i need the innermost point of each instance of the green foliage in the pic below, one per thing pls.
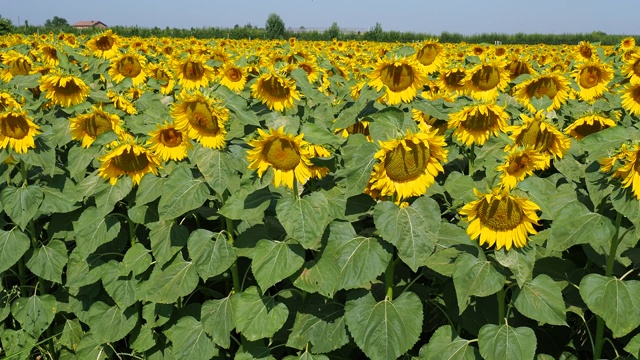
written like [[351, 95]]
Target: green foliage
[[6, 26], [274, 27]]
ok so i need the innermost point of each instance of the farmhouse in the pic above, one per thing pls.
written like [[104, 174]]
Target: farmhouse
[[90, 24]]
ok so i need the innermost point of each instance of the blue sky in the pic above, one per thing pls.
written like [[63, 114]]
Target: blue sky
[[433, 17]]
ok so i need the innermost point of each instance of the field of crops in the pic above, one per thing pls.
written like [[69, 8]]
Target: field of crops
[[165, 198]]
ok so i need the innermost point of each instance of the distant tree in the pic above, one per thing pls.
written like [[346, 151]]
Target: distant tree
[[6, 26], [274, 27], [333, 32], [375, 34]]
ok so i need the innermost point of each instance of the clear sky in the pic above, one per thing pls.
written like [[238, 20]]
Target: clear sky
[[432, 17]]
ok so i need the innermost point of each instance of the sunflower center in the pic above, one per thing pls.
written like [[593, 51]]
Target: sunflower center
[[170, 137], [69, 89], [535, 137], [14, 126], [636, 94], [104, 43], [234, 74], [589, 77], [500, 214], [588, 129], [129, 162], [517, 68], [519, 164], [454, 78], [162, 76], [282, 154], [201, 118], [20, 67], [479, 121], [52, 53], [428, 54], [96, 125], [542, 87], [636, 68], [308, 69], [397, 78], [486, 78], [585, 51], [129, 66], [274, 87], [405, 165], [193, 70]]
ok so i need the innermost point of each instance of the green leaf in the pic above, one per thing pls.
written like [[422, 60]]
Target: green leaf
[[575, 224], [310, 91], [475, 277], [446, 344], [614, 300], [48, 261], [215, 166], [143, 338], [304, 219], [167, 285], [306, 356], [17, 344], [218, 320], [13, 244], [319, 276], [149, 189], [35, 313], [190, 340], [83, 270], [79, 160], [358, 163], [506, 342], [71, 334], [181, 193], [167, 238], [386, 124], [633, 346], [544, 193], [318, 134], [93, 230], [92, 347], [56, 201], [258, 317], [110, 323], [247, 205], [426, 106], [628, 205], [137, 260], [274, 261], [605, 141], [519, 260], [319, 322], [460, 187], [412, 230], [107, 196], [385, 329], [21, 203], [123, 289], [211, 257], [541, 299]]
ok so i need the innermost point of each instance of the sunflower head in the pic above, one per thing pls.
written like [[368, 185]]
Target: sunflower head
[[192, 72], [233, 76], [128, 158], [518, 164], [128, 65], [17, 131], [554, 86], [402, 77], [474, 124], [64, 90], [540, 135], [276, 91], [593, 79], [587, 125], [628, 171], [169, 143], [201, 118], [484, 81], [87, 127], [105, 45]]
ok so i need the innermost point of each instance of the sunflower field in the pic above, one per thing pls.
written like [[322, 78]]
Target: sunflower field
[[166, 198]]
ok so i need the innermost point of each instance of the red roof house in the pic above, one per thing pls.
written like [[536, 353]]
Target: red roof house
[[90, 24]]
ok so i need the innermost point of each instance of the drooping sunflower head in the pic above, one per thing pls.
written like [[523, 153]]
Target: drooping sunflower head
[[17, 131], [130, 65], [585, 49], [486, 80], [192, 72], [501, 219], [276, 91], [130, 159], [201, 118], [540, 135], [8, 102], [17, 64], [631, 68], [64, 90], [628, 171], [164, 76], [87, 127], [169, 143], [451, 80], [631, 98], [430, 54], [48, 55], [233, 76], [517, 66], [402, 77], [587, 125], [474, 124], [104, 45], [593, 78], [287, 155], [555, 86], [518, 164]]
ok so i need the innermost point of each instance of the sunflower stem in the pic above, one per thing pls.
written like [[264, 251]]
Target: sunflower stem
[[611, 259], [296, 196], [234, 268], [388, 277], [472, 157], [22, 274], [501, 295]]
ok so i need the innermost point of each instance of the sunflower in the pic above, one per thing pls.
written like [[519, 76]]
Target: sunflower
[[585, 49], [64, 90], [128, 158], [451, 80], [87, 127], [359, 127], [517, 66], [587, 125], [8, 102], [500, 219], [234, 77], [409, 165], [276, 91], [162, 73], [486, 80], [17, 64], [518, 164], [474, 124], [540, 135], [430, 55], [192, 72], [128, 65], [631, 68], [168, 143], [627, 43], [592, 77], [104, 45], [629, 170], [310, 66], [17, 131], [402, 77], [287, 155], [555, 86], [318, 172], [48, 55], [201, 118], [121, 102]]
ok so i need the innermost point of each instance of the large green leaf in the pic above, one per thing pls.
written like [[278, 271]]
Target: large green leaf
[[305, 218], [35, 313], [359, 162], [17, 344], [48, 261], [123, 289], [319, 276], [13, 244], [519, 260], [386, 329], [181, 193], [306, 356], [79, 160], [110, 323], [215, 166], [446, 344], [218, 320], [167, 238], [210, 256], [575, 224], [21, 203], [190, 340], [628, 205], [541, 299], [274, 261], [412, 230], [93, 230], [615, 301], [505, 342], [247, 205], [320, 322], [545, 193], [385, 124], [149, 189], [83, 270], [633, 346], [107, 196], [166, 285], [258, 316], [71, 334], [136, 260], [475, 277]]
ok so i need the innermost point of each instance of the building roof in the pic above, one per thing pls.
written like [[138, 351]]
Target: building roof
[[89, 23]]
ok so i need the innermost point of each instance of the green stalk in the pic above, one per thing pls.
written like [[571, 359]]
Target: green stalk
[[611, 259], [501, 295], [234, 268], [472, 157], [22, 274], [295, 189], [388, 277]]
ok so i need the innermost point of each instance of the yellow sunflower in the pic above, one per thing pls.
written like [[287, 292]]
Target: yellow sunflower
[[64, 90], [518, 65], [485, 81], [233, 76], [631, 68], [629, 170], [128, 65], [276, 91], [192, 72], [555, 86], [500, 219], [431, 55], [48, 55], [359, 127], [161, 72], [518, 164], [87, 127], [587, 125], [318, 172], [17, 131], [474, 124], [104, 45], [168, 143], [540, 135], [287, 155], [631, 98], [451, 80], [402, 77], [201, 118], [121, 102], [8, 102], [593, 78], [627, 43], [16, 63], [409, 165], [420, 117], [128, 158]]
